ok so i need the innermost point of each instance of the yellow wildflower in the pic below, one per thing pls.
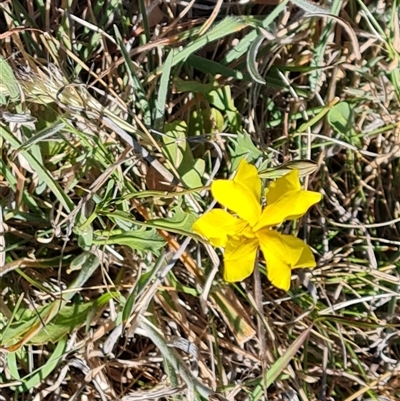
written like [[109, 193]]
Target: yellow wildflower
[[252, 227]]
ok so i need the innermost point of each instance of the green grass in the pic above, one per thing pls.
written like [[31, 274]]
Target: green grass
[[114, 122]]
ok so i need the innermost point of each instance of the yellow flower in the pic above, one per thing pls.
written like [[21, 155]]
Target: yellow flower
[[252, 227]]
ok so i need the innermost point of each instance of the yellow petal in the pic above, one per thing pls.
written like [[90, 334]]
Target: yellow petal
[[247, 175], [289, 206], [278, 188], [216, 225], [306, 258], [242, 194], [283, 253], [239, 258]]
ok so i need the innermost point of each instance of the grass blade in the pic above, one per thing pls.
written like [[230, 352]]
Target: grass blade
[[278, 367]]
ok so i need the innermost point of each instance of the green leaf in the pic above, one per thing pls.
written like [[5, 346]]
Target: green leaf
[[147, 277], [175, 142], [305, 167], [138, 240], [90, 264], [144, 280], [221, 29], [79, 261], [218, 120], [42, 135], [8, 83], [192, 178], [234, 120], [130, 302], [16, 330], [45, 370], [182, 85], [162, 93], [191, 171], [340, 118], [68, 319], [180, 222], [85, 237], [197, 123], [221, 98], [43, 174], [277, 368], [251, 60], [12, 365], [194, 292], [30, 321], [242, 48], [205, 121], [244, 148], [214, 68]]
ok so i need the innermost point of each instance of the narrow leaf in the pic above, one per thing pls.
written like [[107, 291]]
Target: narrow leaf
[[251, 60], [162, 93], [278, 367]]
